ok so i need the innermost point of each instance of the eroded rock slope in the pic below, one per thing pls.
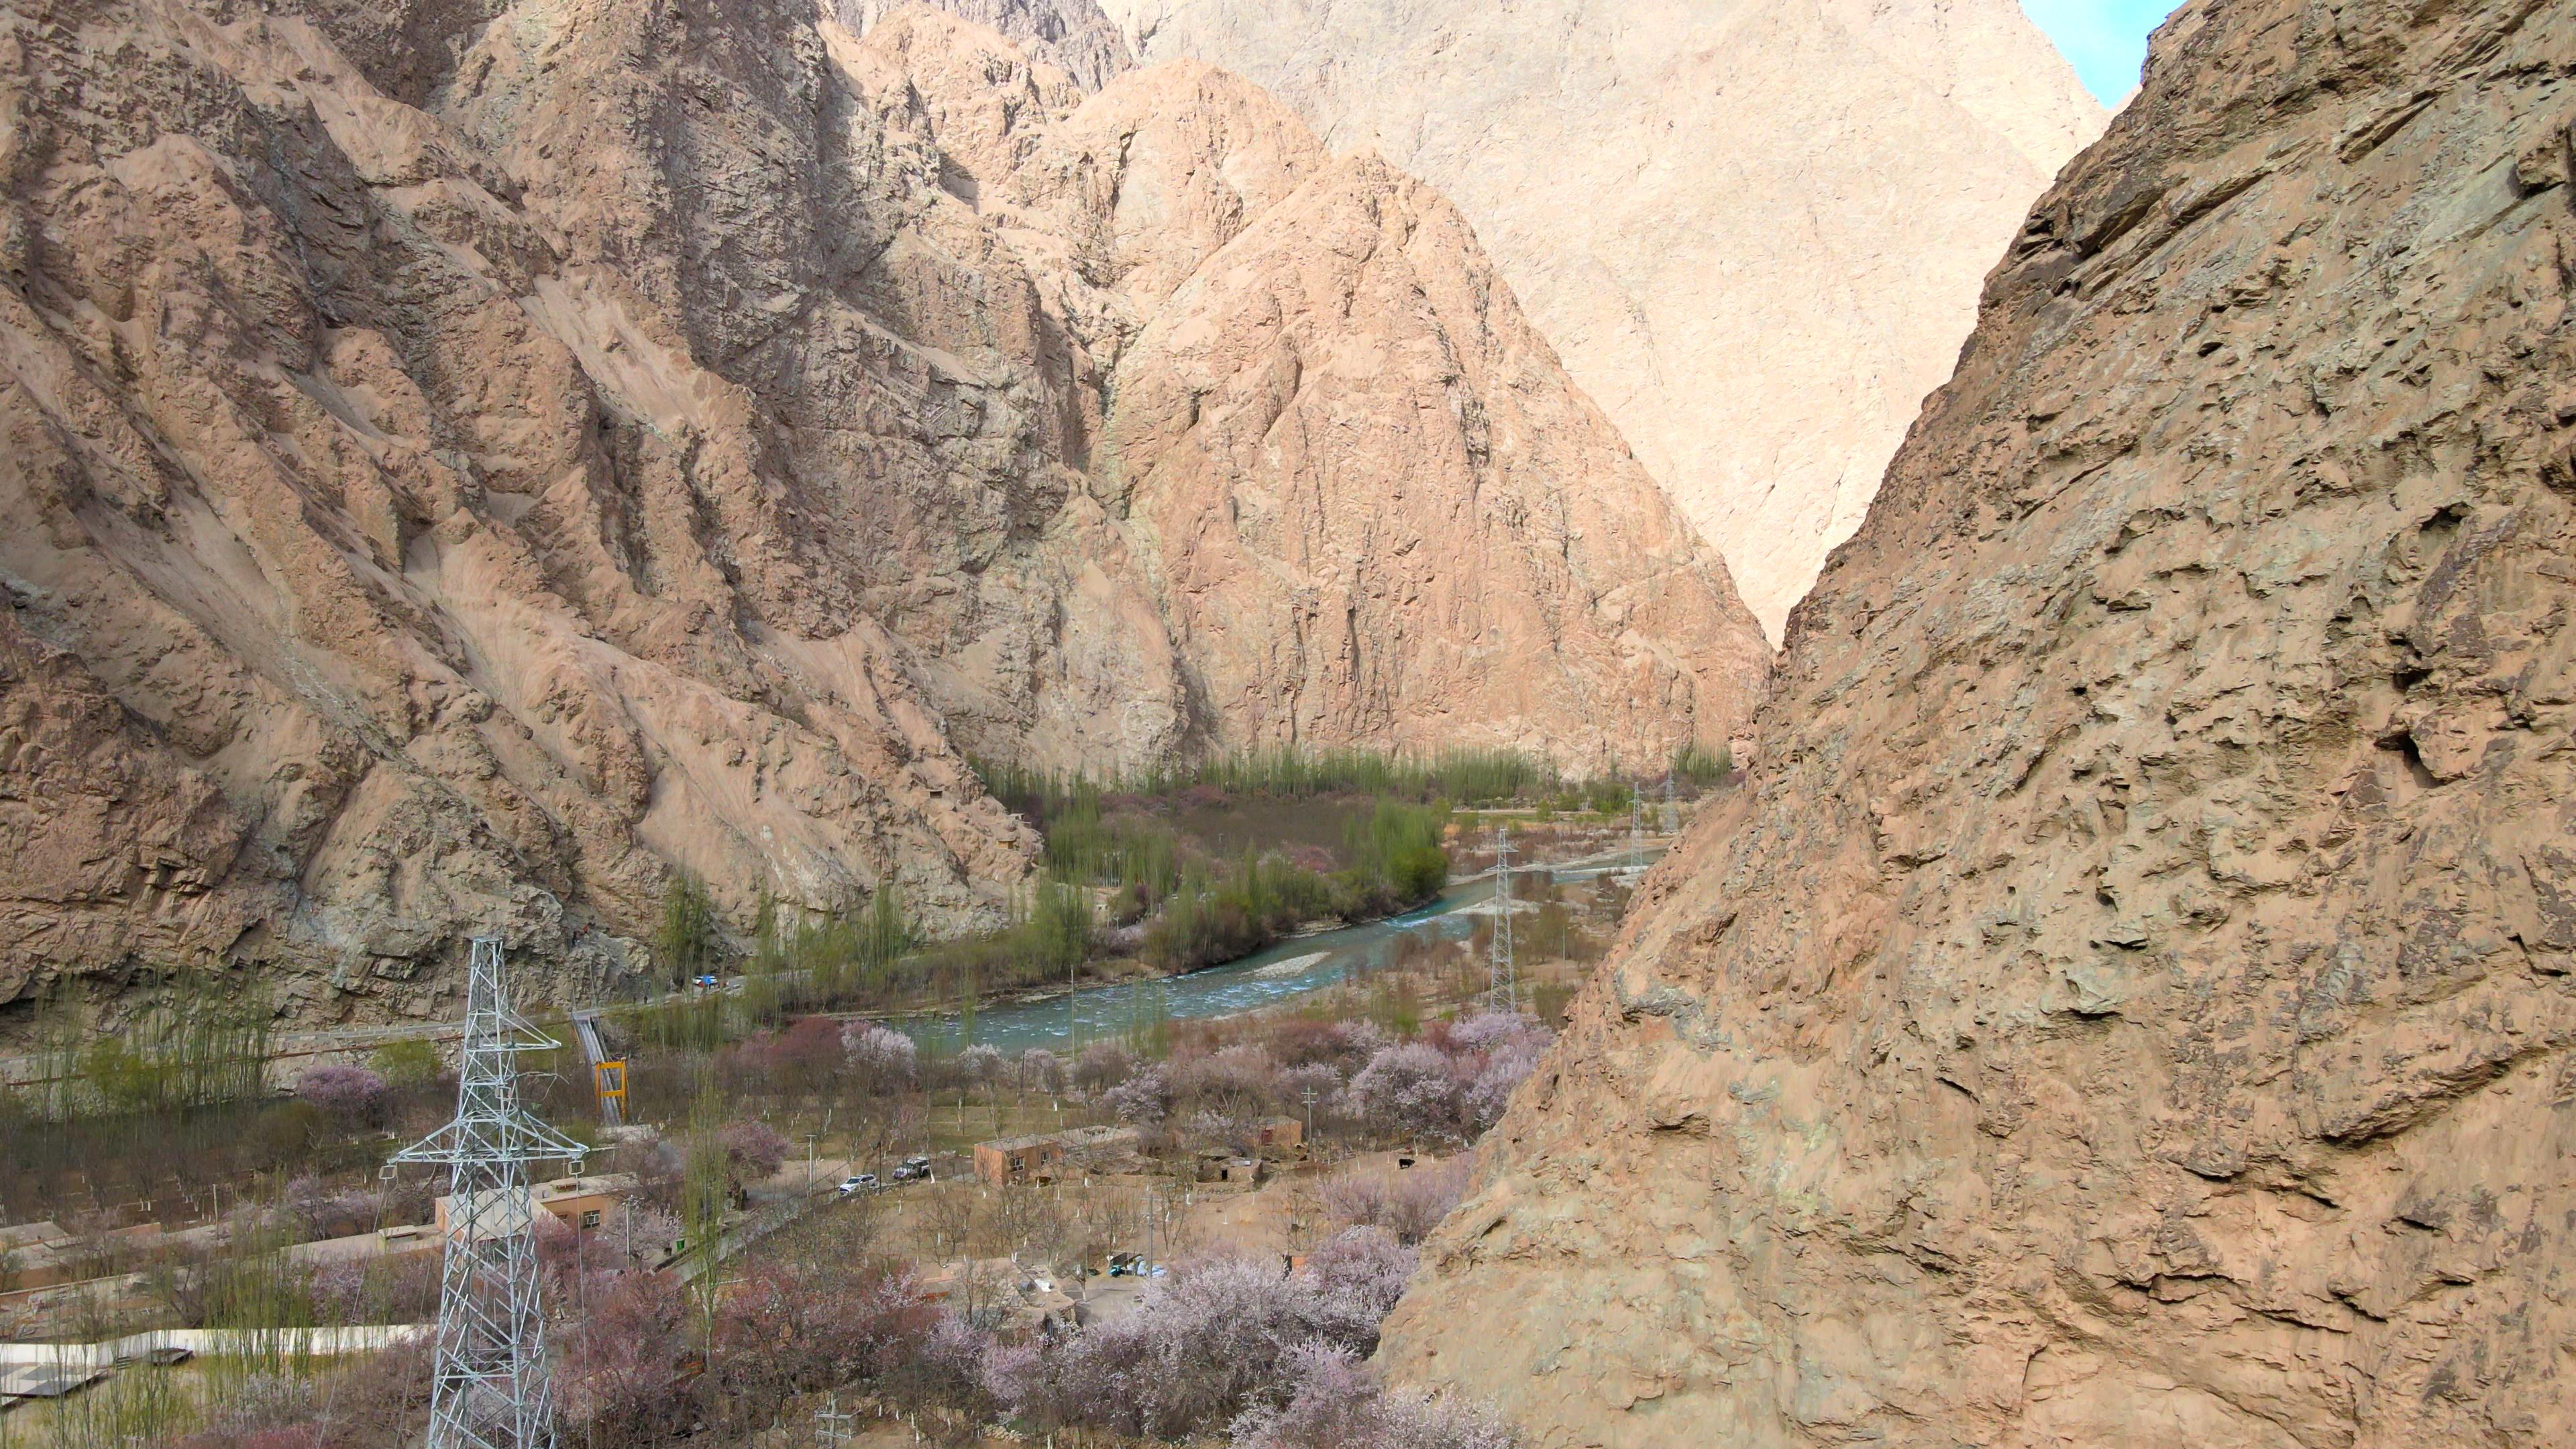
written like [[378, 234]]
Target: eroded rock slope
[[1071, 35], [1754, 228], [2131, 1003], [466, 463]]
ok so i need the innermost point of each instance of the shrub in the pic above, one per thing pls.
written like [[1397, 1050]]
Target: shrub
[[1040, 1070], [946, 1371], [1236, 1081], [376, 1290], [1321, 1078], [353, 1097], [1407, 1204], [980, 1064], [1357, 1275], [1211, 1342], [284, 1133], [1336, 1402], [794, 1327], [323, 1213], [753, 1150], [616, 1363], [407, 1064], [1504, 1069], [1144, 1097], [805, 1057], [885, 1057], [1410, 1087], [1103, 1064], [1505, 1047]]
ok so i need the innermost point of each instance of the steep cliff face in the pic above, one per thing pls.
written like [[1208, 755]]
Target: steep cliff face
[[2131, 1003], [1071, 35], [1754, 230], [470, 461]]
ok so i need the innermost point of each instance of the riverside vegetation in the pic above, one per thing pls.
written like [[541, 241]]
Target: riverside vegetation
[[163, 1117], [1163, 871], [181, 1104]]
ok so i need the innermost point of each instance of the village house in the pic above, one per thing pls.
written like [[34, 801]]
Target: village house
[[581, 1203], [1020, 1159]]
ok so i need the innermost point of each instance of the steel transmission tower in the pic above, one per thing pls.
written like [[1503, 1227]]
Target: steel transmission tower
[[1505, 985], [489, 1388]]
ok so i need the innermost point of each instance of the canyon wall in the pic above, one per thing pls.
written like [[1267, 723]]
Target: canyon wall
[[2130, 1001], [469, 463], [1754, 228]]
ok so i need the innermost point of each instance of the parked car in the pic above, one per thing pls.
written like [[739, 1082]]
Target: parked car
[[907, 1172], [862, 1182]]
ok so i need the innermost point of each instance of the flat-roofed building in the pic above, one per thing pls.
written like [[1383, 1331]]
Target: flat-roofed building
[[1020, 1159], [580, 1202]]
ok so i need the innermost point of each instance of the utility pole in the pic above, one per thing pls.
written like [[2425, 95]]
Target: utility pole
[[1504, 985], [489, 1385], [1307, 1096]]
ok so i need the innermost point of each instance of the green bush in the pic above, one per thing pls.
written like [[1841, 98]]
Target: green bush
[[285, 1132], [407, 1064]]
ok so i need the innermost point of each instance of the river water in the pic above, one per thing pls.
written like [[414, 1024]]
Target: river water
[[1268, 977]]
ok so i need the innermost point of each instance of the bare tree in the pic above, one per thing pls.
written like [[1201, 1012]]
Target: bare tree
[[1027, 1215], [951, 1211]]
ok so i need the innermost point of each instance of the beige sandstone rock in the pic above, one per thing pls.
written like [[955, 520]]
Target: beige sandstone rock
[[464, 467], [2130, 1002], [1753, 228], [1071, 35]]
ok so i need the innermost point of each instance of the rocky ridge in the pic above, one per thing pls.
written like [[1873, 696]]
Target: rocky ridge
[[1754, 229], [474, 462], [1071, 35], [2131, 1000]]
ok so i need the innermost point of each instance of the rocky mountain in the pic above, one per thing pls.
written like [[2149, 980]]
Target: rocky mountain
[[1754, 228], [1071, 35], [471, 462], [2131, 1002]]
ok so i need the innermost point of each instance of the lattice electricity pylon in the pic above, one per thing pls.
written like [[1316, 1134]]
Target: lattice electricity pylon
[[489, 1388], [1504, 987]]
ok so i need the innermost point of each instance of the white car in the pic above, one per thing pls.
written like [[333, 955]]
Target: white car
[[853, 1186]]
